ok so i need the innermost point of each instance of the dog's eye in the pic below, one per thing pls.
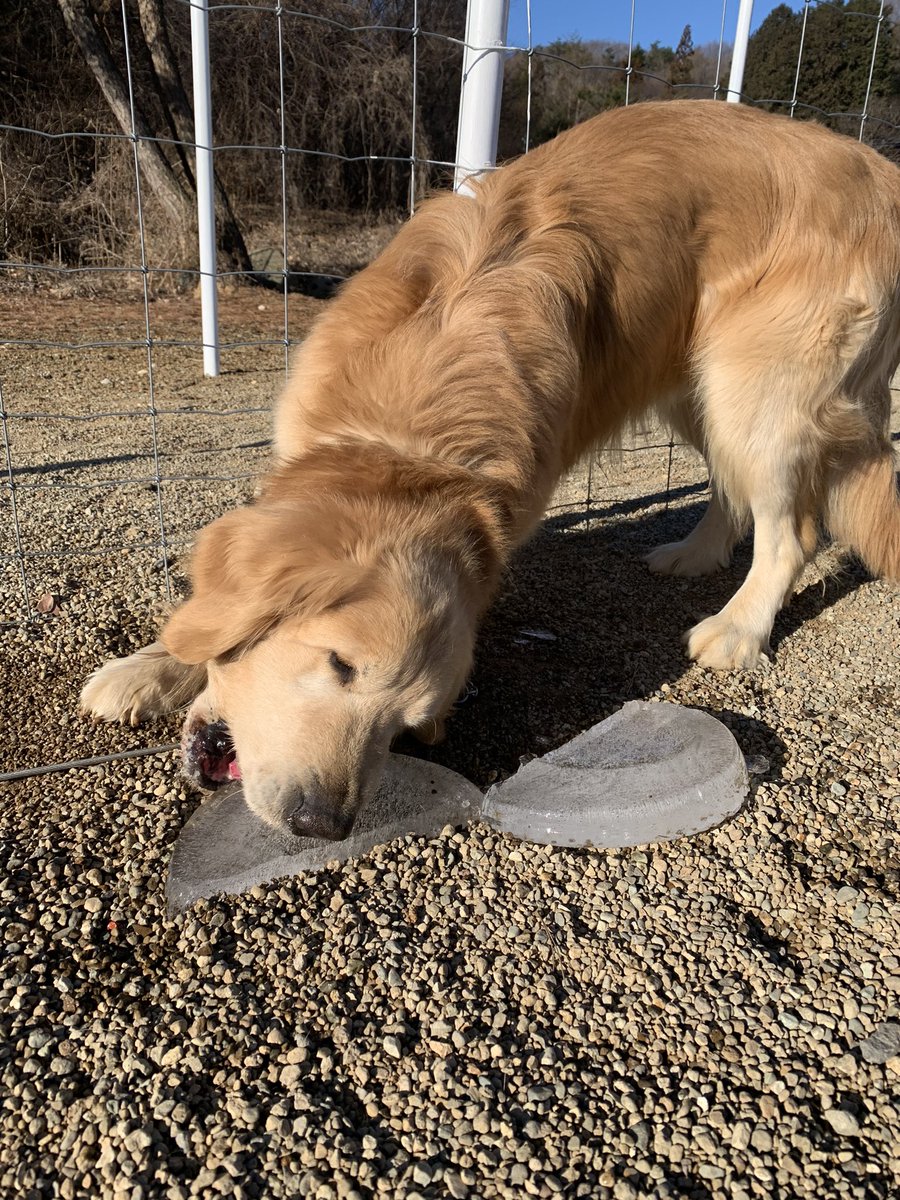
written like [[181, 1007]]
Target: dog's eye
[[342, 669]]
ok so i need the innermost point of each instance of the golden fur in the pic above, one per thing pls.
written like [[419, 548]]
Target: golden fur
[[736, 272]]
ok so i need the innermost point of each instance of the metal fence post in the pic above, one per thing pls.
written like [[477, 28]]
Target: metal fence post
[[481, 89], [206, 203], [739, 57]]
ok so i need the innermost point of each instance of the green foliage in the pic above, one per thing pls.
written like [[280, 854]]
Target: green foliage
[[569, 83], [572, 80], [836, 60]]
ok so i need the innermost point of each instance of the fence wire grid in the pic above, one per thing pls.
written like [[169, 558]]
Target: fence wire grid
[[140, 506]]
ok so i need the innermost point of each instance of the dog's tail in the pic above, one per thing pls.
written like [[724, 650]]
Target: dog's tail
[[863, 510]]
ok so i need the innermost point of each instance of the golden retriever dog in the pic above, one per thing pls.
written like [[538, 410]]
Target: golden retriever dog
[[735, 272]]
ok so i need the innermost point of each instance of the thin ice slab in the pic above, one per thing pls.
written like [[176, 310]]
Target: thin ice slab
[[225, 847], [649, 773]]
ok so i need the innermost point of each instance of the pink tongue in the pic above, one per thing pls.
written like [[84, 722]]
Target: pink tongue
[[234, 771]]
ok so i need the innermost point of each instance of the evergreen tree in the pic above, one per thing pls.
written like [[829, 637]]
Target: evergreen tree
[[681, 66], [836, 59]]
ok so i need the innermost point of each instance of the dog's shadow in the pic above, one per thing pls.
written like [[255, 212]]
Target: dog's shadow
[[582, 625]]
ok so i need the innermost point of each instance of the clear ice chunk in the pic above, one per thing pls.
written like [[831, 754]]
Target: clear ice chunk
[[226, 847], [649, 773]]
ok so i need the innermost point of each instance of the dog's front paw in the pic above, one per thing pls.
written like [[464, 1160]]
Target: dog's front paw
[[718, 643], [688, 558], [142, 686], [120, 691]]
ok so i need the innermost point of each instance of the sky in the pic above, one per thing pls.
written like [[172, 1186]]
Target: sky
[[609, 20]]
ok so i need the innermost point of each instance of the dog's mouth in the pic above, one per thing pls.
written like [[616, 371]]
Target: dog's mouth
[[208, 756]]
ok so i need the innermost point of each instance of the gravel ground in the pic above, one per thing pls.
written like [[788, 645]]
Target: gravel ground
[[465, 1016]]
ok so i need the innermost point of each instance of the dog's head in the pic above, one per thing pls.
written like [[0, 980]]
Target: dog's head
[[327, 626]]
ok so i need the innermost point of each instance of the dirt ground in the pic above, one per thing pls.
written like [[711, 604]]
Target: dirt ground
[[465, 1016]]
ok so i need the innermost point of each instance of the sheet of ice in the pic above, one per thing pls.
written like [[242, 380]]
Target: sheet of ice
[[224, 847], [650, 772]]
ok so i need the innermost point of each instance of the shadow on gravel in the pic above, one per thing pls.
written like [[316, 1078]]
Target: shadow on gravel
[[269, 274], [816, 599], [687, 1186], [582, 626]]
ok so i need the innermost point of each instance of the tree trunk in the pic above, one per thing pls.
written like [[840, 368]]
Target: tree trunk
[[180, 111], [167, 77], [156, 169]]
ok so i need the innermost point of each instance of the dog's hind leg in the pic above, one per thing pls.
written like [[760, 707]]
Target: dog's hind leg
[[792, 390], [863, 504], [789, 380], [141, 686]]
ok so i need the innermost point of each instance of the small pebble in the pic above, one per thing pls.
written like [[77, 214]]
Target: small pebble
[[842, 1122], [883, 1044]]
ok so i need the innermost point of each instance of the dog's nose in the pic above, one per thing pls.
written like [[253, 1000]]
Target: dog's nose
[[314, 818]]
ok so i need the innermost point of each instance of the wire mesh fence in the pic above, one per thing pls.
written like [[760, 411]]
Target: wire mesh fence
[[115, 449]]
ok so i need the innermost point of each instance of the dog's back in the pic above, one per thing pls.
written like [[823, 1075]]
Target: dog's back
[[735, 270]]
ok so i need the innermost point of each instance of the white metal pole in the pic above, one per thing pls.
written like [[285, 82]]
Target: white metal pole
[[203, 171], [481, 89], [739, 57]]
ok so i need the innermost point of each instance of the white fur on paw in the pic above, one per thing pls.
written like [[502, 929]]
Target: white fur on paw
[[126, 689], [718, 643], [687, 558]]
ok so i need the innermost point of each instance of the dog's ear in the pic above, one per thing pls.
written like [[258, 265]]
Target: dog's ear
[[248, 569], [224, 610]]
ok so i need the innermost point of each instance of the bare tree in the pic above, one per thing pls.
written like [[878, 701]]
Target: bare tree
[[179, 115], [162, 179], [336, 86], [177, 195]]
